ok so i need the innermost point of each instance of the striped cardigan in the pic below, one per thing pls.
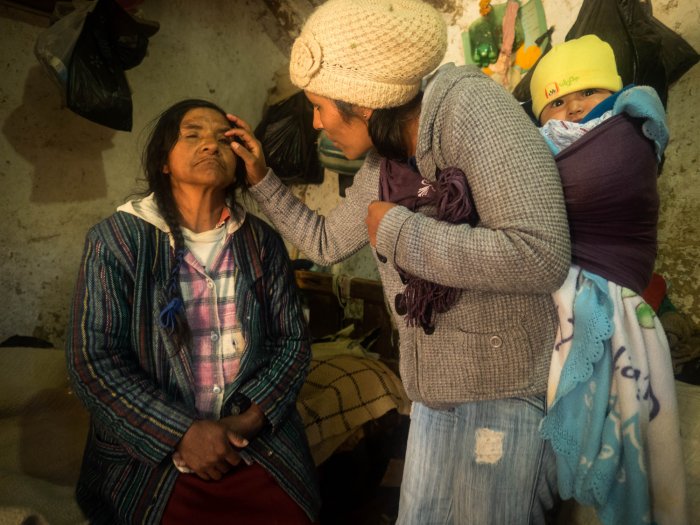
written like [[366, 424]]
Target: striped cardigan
[[139, 388]]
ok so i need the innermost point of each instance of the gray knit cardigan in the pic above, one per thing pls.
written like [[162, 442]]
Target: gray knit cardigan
[[497, 340]]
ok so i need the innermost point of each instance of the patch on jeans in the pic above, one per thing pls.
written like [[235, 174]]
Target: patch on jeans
[[489, 445]]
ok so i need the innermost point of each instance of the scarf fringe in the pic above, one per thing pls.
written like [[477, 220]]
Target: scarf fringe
[[423, 299]]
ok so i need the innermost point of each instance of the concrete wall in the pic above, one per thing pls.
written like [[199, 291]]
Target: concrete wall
[[60, 173]]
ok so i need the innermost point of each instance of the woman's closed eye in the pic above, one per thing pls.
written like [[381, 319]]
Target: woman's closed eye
[[221, 139]]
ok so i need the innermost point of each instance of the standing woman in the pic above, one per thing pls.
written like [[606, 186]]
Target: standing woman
[[188, 346], [460, 198]]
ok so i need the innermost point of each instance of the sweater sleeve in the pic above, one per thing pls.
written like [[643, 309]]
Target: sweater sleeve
[[521, 243], [104, 368], [326, 239]]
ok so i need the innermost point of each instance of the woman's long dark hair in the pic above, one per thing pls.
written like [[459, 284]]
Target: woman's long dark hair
[[386, 126], [161, 140]]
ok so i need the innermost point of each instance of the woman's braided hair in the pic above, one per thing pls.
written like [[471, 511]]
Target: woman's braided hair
[[161, 140]]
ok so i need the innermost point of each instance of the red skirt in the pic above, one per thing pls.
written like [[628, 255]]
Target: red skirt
[[247, 495]]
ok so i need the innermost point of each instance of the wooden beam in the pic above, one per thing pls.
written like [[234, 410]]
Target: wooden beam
[[348, 287]]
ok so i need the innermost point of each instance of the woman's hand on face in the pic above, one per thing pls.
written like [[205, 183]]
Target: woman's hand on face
[[375, 213], [248, 148]]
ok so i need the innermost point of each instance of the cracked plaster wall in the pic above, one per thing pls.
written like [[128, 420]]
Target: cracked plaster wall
[[60, 173]]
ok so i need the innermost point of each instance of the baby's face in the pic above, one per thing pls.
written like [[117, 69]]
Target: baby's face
[[574, 106]]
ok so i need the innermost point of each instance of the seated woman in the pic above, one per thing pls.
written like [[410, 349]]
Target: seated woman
[[188, 346]]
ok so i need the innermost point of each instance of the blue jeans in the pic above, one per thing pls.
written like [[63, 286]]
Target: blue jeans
[[478, 463]]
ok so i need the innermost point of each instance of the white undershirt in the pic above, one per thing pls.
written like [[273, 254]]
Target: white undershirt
[[205, 246]]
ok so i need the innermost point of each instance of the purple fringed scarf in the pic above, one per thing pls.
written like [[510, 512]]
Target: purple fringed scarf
[[402, 184]]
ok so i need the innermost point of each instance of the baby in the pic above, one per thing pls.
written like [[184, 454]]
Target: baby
[[570, 81], [572, 78], [612, 418]]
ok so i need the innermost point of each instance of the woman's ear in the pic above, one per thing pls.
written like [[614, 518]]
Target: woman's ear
[[366, 113], [166, 169]]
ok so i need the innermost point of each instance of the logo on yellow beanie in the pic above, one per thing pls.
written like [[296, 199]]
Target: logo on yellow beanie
[[550, 90], [553, 88]]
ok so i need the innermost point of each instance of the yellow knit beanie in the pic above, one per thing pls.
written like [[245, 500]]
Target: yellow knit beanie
[[582, 63], [372, 53]]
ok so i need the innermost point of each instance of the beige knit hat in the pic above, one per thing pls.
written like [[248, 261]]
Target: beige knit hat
[[372, 53]]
